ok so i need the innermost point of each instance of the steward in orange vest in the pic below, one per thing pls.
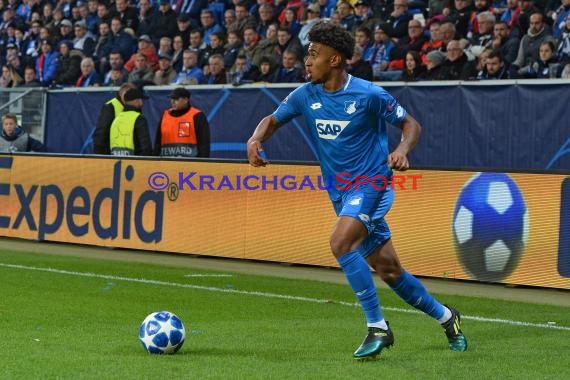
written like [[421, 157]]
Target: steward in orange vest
[[183, 130]]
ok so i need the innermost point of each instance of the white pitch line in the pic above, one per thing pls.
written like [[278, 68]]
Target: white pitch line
[[207, 275], [270, 295]]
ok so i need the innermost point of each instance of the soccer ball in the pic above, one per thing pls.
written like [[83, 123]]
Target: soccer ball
[[162, 333], [490, 226]]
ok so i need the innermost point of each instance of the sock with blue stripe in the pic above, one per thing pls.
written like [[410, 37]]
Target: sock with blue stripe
[[411, 290], [359, 277]]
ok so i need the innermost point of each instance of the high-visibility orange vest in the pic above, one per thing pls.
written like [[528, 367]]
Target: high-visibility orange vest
[[178, 134]]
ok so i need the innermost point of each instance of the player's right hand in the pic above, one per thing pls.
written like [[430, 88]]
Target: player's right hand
[[254, 149]]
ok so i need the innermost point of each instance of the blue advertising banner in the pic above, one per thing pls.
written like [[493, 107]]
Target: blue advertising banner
[[485, 126]]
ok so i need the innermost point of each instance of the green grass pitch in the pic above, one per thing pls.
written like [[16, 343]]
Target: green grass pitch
[[78, 318]]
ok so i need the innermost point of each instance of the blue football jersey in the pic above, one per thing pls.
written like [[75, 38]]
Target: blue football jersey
[[348, 128]]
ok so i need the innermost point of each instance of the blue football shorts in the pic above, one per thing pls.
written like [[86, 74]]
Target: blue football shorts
[[369, 206]]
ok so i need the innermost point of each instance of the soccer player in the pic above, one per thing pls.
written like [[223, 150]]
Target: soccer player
[[347, 118]]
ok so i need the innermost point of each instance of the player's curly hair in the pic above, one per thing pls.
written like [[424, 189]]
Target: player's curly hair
[[334, 36]]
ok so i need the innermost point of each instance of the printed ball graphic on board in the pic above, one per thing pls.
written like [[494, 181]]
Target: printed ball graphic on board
[[490, 226]]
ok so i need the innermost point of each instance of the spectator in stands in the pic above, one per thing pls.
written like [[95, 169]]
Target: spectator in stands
[[530, 43], [313, 17], [496, 67], [289, 72], [30, 78], [146, 48], [434, 60], [126, 14], [266, 70], [454, 64], [504, 41], [115, 78], [177, 51], [118, 40], [165, 75], [290, 22], [68, 65], [414, 70], [129, 131], [438, 9], [83, 41], [563, 43], [15, 139], [16, 63], [528, 8], [229, 21], [561, 19], [231, 49], [547, 65], [9, 77], [217, 74], [243, 19], [266, 18], [103, 14], [434, 43], [363, 38], [216, 46], [485, 25], [461, 16], [147, 18], [448, 33], [89, 76], [192, 8], [32, 43], [164, 46], [413, 41], [66, 30], [142, 73], [381, 50], [474, 69], [511, 17], [364, 15], [191, 72], [286, 41], [183, 130], [479, 6], [165, 22], [250, 47], [346, 13], [197, 43], [108, 112], [46, 64], [209, 25], [92, 19], [397, 22], [565, 72], [242, 71], [120, 75], [358, 67], [100, 52], [184, 28]]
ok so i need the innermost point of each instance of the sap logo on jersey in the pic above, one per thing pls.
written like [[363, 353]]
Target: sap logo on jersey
[[330, 129]]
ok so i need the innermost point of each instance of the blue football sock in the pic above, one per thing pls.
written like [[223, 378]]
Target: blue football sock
[[359, 277], [411, 290]]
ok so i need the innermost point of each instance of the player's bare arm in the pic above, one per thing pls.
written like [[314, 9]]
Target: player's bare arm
[[265, 129], [411, 131]]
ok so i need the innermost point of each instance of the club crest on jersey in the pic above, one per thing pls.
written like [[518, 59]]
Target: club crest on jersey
[[330, 129], [350, 107]]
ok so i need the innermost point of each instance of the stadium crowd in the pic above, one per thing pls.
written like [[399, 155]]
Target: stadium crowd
[[85, 43]]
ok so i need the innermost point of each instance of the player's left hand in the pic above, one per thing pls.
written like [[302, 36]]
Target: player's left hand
[[398, 161]]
